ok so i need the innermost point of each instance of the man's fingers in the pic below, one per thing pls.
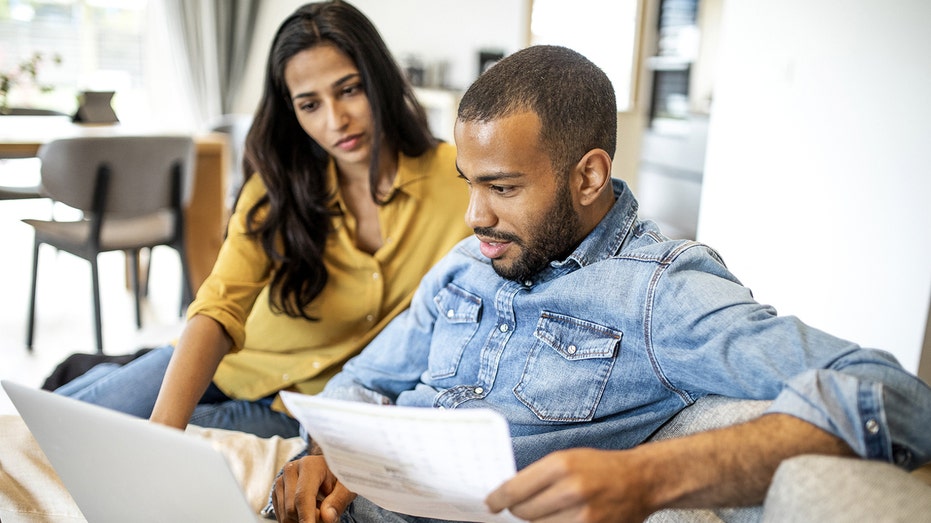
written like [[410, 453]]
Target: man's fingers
[[308, 481], [335, 503], [296, 490], [523, 486], [283, 497]]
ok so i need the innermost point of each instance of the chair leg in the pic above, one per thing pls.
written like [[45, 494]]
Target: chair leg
[[187, 291], [133, 255], [148, 272], [31, 322], [95, 284]]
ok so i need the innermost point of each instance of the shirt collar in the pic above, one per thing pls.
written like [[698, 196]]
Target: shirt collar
[[606, 238], [410, 170]]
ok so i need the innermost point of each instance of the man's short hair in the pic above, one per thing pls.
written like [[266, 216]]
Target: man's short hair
[[573, 98]]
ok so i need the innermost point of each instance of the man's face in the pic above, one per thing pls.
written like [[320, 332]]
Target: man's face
[[520, 209]]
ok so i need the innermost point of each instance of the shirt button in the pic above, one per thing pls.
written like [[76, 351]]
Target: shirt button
[[528, 283], [901, 456], [374, 275], [478, 390], [571, 349], [450, 313], [315, 364], [284, 377], [872, 426], [503, 327], [369, 318]]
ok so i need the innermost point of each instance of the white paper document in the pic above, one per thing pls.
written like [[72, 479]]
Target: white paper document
[[418, 461]]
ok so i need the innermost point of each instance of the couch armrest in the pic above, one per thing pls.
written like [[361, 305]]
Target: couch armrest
[[836, 489]]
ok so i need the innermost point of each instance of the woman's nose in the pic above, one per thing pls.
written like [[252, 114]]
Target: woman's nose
[[336, 116]]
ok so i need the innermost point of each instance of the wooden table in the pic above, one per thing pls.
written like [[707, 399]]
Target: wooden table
[[206, 213]]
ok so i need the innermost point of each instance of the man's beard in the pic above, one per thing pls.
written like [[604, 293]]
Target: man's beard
[[552, 237]]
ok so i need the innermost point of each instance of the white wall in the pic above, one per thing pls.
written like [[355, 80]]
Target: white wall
[[450, 30], [817, 188]]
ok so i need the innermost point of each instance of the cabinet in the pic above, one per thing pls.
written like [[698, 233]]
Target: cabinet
[[676, 50], [441, 106]]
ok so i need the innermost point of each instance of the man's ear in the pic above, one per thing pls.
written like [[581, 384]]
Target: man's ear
[[592, 176]]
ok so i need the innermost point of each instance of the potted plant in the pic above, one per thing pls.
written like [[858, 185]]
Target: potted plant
[[24, 74]]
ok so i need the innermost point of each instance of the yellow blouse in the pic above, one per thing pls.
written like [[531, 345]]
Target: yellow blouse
[[272, 351]]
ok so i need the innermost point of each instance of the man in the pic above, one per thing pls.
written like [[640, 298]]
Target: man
[[588, 330]]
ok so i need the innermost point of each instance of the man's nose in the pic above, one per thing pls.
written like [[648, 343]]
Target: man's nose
[[479, 213]]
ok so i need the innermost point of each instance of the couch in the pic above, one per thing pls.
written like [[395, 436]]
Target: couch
[[804, 489], [808, 488]]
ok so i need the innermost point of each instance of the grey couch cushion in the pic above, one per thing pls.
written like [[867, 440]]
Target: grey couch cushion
[[708, 413]]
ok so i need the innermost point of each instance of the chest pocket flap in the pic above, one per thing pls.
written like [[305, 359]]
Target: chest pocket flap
[[458, 314], [568, 368]]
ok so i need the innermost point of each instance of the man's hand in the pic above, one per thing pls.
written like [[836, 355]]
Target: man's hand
[[584, 485], [307, 491]]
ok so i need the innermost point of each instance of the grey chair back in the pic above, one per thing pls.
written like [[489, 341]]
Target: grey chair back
[[132, 191], [138, 167]]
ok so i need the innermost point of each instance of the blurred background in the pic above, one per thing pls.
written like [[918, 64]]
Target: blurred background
[[790, 136]]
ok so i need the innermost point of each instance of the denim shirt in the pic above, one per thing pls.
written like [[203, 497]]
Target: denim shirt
[[601, 348]]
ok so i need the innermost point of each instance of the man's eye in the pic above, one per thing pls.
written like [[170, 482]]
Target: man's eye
[[500, 189]]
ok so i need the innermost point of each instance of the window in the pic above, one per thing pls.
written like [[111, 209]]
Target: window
[[605, 31], [100, 44]]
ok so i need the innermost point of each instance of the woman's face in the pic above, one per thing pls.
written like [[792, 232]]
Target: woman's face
[[330, 103]]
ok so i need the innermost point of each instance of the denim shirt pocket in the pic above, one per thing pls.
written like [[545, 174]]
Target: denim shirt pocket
[[458, 314], [568, 368]]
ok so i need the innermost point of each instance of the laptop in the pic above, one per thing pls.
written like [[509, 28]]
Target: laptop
[[94, 107], [120, 468]]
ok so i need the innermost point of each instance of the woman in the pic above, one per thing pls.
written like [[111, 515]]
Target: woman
[[351, 201]]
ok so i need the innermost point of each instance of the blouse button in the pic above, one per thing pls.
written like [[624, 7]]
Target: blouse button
[[503, 327], [872, 426], [450, 313], [478, 390], [528, 283], [571, 349]]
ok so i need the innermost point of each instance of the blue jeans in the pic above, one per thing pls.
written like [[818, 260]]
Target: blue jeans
[[362, 510], [133, 388]]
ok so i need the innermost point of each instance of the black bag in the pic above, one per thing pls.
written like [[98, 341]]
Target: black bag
[[79, 363]]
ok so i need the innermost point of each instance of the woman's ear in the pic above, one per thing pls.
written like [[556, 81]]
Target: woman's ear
[[592, 176]]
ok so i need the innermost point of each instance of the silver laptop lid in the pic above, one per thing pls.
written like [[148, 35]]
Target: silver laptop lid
[[120, 468]]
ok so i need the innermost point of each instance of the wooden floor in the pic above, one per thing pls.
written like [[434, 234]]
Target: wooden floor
[[64, 317]]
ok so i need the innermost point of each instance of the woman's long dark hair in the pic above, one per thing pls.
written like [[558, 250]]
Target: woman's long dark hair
[[293, 219]]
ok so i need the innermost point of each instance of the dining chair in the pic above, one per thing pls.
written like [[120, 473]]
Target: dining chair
[[131, 191]]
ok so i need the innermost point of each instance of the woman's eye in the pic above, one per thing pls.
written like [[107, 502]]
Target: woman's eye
[[352, 89], [308, 106]]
